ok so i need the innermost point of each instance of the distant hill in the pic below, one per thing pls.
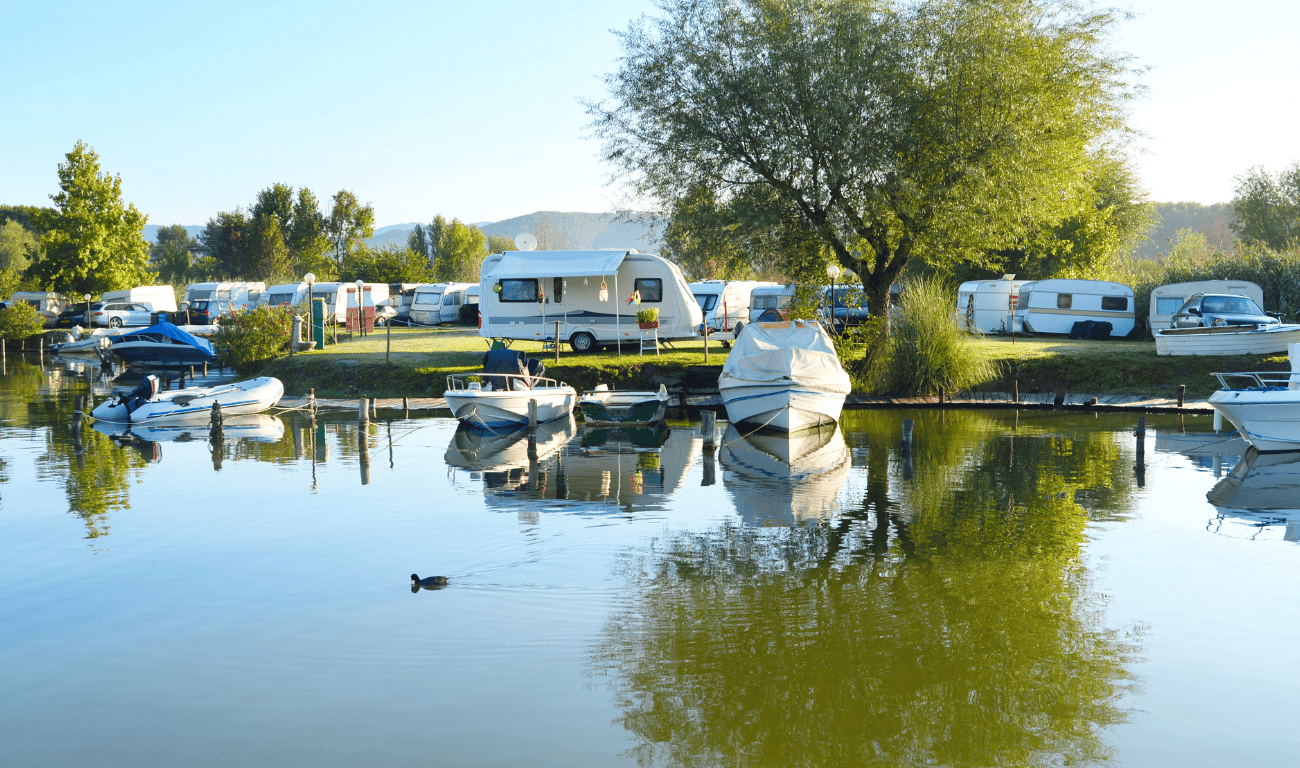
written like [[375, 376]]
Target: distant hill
[[555, 230], [1210, 220]]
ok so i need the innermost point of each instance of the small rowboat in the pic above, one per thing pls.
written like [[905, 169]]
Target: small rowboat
[[147, 405], [603, 406]]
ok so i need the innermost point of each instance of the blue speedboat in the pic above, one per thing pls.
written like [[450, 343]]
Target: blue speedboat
[[162, 344]]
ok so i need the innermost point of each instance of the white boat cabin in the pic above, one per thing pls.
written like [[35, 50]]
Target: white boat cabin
[[1167, 299], [1054, 306], [988, 306]]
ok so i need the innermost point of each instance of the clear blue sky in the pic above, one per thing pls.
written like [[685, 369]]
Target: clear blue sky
[[471, 109]]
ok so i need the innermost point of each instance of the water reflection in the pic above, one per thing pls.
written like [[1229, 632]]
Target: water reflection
[[1261, 492], [784, 479]]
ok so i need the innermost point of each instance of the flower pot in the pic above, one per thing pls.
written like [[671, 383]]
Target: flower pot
[[647, 326]]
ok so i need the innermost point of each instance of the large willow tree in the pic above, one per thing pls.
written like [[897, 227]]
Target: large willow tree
[[895, 129]]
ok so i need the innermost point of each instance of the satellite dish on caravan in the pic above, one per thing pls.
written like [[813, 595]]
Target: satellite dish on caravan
[[525, 241]]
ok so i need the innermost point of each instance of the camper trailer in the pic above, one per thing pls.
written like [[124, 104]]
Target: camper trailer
[[725, 303], [438, 303], [291, 294], [1166, 299], [239, 294], [1054, 306], [159, 298], [47, 303], [988, 306], [769, 298], [374, 295], [523, 294]]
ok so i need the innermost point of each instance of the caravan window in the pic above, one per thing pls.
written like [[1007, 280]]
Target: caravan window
[[1115, 303], [426, 299], [650, 288], [557, 292], [707, 301], [519, 290], [451, 300], [1064, 300], [1168, 306], [223, 295], [280, 298]]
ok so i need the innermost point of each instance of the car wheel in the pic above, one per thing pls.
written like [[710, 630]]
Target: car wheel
[[115, 322], [582, 342]]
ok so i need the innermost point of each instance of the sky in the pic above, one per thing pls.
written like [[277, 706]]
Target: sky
[[472, 110]]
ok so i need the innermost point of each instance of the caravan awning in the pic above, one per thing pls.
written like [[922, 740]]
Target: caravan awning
[[515, 264]]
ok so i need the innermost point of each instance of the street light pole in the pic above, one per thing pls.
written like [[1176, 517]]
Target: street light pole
[[832, 271]]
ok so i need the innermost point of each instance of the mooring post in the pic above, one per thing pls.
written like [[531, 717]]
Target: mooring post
[[388, 342], [1182, 393], [374, 409], [311, 402], [363, 414], [1141, 467], [406, 408], [908, 425], [79, 405], [182, 384], [205, 367], [532, 415], [709, 429], [706, 343], [557, 342], [40, 349], [1017, 393], [363, 452], [218, 427], [942, 394]]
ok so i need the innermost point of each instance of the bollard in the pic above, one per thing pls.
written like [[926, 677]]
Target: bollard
[[908, 425], [363, 414], [1182, 393], [708, 428]]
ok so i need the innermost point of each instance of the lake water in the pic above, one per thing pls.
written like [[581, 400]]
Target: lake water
[[1018, 592]]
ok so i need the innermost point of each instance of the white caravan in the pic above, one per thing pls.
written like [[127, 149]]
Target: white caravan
[[522, 294], [239, 294], [48, 303], [292, 294], [725, 303], [1167, 299], [988, 306], [400, 296], [159, 298], [437, 303], [1054, 306], [374, 295], [774, 298]]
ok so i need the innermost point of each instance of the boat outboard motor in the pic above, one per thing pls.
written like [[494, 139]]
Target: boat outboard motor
[[143, 393]]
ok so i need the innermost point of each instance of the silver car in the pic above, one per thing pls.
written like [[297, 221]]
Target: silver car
[[121, 314], [1211, 310]]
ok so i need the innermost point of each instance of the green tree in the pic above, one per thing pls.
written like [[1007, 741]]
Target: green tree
[[458, 250], [91, 242], [172, 255], [226, 241], [17, 246], [1268, 207], [348, 224], [895, 129], [20, 320], [268, 256], [390, 263], [501, 244], [417, 241]]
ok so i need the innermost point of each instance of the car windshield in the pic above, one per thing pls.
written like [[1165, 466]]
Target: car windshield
[[1230, 305], [707, 301]]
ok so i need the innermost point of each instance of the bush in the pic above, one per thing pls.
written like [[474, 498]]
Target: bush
[[20, 320], [247, 340], [924, 351], [469, 315]]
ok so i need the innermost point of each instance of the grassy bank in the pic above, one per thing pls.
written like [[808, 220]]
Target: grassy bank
[[421, 358]]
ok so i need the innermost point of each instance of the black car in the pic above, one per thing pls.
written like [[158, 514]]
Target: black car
[[76, 315]]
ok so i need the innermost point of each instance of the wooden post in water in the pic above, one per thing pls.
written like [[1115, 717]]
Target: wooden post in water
[[557, 342], [363, 451], [363, 413], [217, 424], [1182, 393], [374, 409], [532, 439], [1141, 467], [79, 405], [40, 349], [1017, 395], [311, 402], [942, 394], [205, 367], [532, 415], [908, 426], [709, 429], [406, 408], [706, 343]]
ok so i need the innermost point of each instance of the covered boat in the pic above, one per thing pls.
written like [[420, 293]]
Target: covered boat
[[603, 406], [162, 344], [147, 404], [1227, 340], [1266, 410], [500, 395], [783, 376]]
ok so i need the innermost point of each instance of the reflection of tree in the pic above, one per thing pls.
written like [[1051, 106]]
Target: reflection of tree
[[946, 620]]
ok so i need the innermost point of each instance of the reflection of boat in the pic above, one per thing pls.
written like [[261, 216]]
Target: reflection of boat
[[1267, 411], [785, 479], [604, 406], [146, 404], [500, 395], [784, 376], [1227, 340], [1197, 444], [163, 344], [636, 437], [479, 449], [257, 427], [1263, 489]]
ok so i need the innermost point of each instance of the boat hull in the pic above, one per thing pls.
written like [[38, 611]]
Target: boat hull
[[1268, 419], [143, 352], [1227, 341], [195, 403], [506, 409], [785, 408], [626, 409]]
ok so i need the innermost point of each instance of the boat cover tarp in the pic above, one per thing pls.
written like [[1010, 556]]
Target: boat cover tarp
[[165, 328], [512, 362], [519, 264], [1096, 330], [776, 353]]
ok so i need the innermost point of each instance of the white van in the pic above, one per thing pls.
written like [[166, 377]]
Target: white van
[[1054, 306], [522, 294], [769, 298], [437, 303], [725, 303], [292, 294], [159, 298], [239, 294], [48, 303], [988, 306], [1166, 300]]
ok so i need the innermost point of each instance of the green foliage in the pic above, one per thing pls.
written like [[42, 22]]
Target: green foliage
[[468, 315], [172, 254], [389, 263], [17, 247], [23, 215], [457, 250], [279, 236], [650, 315], [349, 223], [418, 242], [247, 340], [91, 242], [893, 128], [1213, 221], [501, 244], [1268, 207], [924, 351], [20, 320]]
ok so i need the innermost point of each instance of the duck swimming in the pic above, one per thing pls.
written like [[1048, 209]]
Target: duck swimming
[[428, 581]]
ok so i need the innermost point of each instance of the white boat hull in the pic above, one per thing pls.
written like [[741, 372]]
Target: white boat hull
[[1212, 341], [1268, 419], [195, 403], [786, 408], [486, 408]]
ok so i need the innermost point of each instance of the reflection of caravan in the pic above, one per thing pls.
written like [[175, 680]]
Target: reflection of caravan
[[1166, 300], [523, 294], [1054, 306], [984, 306], [725, 303], [438, 303], [770, 298]]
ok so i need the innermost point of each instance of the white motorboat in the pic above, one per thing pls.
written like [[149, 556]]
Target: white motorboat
[[501, 399], [1227, 340], [786, 479], [1267, 410], [147, 404], [783, 376], [91, 342], [603, 406]]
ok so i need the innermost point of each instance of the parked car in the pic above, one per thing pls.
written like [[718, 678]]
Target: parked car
[[75, 314], [1208, 310], [850, 306], [119, 314], [206, 311]]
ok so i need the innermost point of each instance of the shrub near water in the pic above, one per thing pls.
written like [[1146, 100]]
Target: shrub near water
[[925, 351], [246, 340], [20, 320]]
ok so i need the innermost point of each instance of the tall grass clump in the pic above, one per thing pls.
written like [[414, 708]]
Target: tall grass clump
[[925, 351]]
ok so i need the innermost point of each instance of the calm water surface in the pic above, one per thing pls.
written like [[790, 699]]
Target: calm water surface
[[1020, 592]]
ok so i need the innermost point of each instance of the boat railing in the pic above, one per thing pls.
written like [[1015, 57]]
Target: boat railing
[[1259, 379], [497, 382]]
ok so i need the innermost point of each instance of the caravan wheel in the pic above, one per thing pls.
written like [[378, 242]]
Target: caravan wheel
[[582, 342]]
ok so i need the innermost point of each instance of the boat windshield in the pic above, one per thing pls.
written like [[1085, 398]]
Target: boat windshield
[[707, 301]]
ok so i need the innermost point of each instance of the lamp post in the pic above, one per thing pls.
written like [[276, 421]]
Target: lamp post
[[832, 271], [87, 298], [361, 313], [310, 280]]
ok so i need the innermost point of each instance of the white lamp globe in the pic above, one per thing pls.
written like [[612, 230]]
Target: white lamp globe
[[309, 278], [832, 271]]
